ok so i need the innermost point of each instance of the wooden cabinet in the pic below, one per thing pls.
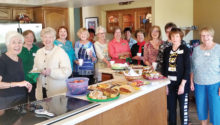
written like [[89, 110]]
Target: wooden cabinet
[[5, 13], [51, 16], [23, 11], [132, 18]]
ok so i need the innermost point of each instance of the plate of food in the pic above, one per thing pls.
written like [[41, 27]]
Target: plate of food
[[103, 96], [136, 66], [119, 66], [153, 76]]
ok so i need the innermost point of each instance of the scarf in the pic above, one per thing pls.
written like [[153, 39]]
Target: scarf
[[140, 44]]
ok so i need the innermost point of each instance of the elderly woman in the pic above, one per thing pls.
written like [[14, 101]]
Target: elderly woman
[[118, 48], [206, 76], [85, 56], [176, 66], [138, 47], [13, 87], [101, 47], [127, 34], [27, 56], [151, 49], [53, 64], [63, 42]]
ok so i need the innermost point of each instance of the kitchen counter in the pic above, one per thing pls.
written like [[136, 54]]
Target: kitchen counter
[[144, 106]]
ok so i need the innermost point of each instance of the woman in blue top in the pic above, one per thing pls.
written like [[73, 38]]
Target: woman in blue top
[[63, 42], [206, 76], [84, 50]]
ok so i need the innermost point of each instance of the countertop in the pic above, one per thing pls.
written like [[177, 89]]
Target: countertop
[[105, 106]]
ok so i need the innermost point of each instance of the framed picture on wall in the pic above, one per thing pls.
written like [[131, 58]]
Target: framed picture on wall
[[91, 22]]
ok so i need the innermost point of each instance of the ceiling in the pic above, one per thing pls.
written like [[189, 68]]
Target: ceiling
[[58, 3]]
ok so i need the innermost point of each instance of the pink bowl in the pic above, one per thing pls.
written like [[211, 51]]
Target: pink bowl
[[77, 85]]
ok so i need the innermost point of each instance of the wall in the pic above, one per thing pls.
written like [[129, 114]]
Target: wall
[[76, 22], [179, 12], [163, 11], [206, 14], [90, 11]]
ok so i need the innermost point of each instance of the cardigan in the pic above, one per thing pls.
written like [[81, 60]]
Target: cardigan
[[58, 61], [182, 65]]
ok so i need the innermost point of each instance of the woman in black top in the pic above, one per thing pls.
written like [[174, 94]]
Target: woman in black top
[[176, 64], [13, 88], [138, 48]]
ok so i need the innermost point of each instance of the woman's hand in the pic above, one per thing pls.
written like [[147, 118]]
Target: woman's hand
[[192, 86], [137, 58], [219, 91], [22, 84], [167, 90], [181, 89], [77, 62], [46, 72]]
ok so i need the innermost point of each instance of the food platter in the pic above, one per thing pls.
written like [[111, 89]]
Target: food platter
[[154, 78], [118, 66], [103, 100]]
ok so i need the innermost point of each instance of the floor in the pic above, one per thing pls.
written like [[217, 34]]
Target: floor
[[193, 118]]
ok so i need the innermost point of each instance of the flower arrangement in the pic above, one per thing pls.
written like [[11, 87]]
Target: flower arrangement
[[23, 18]]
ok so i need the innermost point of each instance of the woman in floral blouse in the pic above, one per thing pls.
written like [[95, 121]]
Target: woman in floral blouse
[[151, 48]]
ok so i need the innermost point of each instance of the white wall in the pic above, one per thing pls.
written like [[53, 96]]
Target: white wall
[[179, 12]]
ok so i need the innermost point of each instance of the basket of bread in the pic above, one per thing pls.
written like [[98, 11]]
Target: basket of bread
[[132, 75]]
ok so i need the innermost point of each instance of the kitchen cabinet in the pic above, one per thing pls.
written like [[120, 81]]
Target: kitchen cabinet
[[5, 13], [132, 18], [51, 16]]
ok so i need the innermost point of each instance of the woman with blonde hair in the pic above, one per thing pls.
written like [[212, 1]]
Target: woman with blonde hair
[[205, 77], [13, 87], [151, 49], [85, 56], [53, 64], [101, 47]]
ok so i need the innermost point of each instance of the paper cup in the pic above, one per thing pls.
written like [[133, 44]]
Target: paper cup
[[112, 62], [154, 64], [80, 62], [88, 51], [138, 54]]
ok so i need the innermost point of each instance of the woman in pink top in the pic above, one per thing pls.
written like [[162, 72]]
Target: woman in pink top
[[118, 48], [151, 48]]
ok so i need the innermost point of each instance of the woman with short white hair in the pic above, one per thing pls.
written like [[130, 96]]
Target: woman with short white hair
[[54, 66], [13, 87], [101, 47]]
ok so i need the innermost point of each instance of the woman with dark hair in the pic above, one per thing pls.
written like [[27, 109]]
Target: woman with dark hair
[[138, 48], [63, 42], [118, 48], [13, 87], [27, 56], [127, 34], [176, 64]]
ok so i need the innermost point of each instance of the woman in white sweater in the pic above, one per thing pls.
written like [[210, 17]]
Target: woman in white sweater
[[53, 64]]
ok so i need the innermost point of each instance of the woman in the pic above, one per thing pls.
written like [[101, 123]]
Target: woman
[[206, 76], [176, 66], [138, 47], [27, 56], [13, 87], [151, 49], [84, 51], [63, 42], [101, 47], [118, 48], [53, 64]]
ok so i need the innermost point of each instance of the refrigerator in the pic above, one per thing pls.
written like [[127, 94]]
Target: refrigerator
[[5, 27]]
